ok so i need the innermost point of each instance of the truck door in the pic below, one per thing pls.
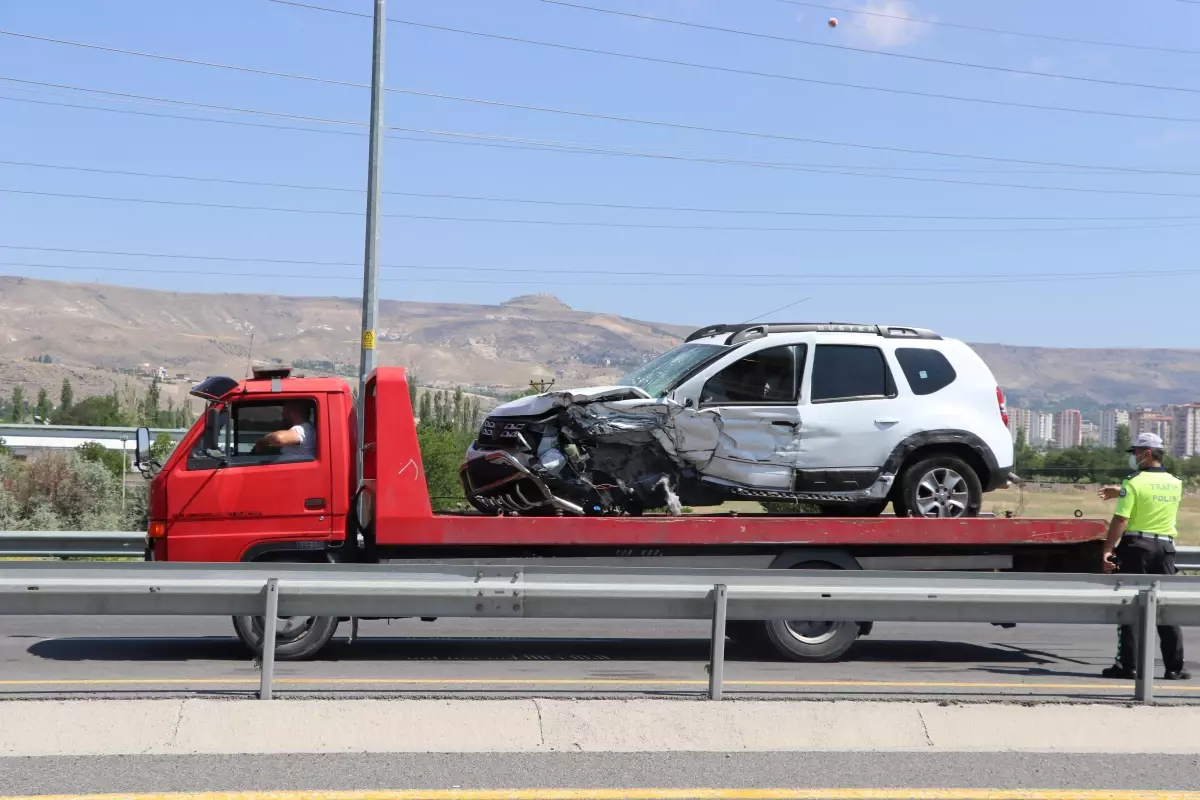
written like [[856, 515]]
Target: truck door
[[751, 407], [221, 503]]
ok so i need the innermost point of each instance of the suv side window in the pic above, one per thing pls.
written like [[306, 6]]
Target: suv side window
[[927, 371], [251, 422], [768, 377], [850, 372]]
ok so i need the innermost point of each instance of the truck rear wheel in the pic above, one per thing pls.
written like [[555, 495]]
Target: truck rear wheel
[[804, 640], [296, 638]]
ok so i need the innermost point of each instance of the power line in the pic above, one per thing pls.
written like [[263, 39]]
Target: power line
[[581, 271], [588, 223], [852, 49], [583, 204], [610, 118], [1003, 31], [549, 147], [673, 284], [614, 54]]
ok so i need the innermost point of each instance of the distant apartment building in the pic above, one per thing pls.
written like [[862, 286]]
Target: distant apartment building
[[1041, 429], [1110, 420], [1089, 434], [1068, 429], [1018, 420], [1186, 427], [1150, 421]]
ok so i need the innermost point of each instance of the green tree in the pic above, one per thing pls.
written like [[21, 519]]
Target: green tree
[[1124, 441], [425, 414], [44, 407], [151, 403], [17, 404], [94, 452], [161, 449], [98, 410], [66, 397]]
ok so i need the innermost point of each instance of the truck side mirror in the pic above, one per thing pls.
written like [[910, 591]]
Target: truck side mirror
[[212, 430], [141, 449]]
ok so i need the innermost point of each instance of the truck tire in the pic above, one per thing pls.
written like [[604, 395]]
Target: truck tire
[[296, 638], [798, 640], [940, 486]]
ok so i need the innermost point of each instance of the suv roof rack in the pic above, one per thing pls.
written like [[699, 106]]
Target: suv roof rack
[[742, 332]]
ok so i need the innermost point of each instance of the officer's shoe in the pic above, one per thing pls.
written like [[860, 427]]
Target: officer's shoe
[[1178, 675], [1119, 673]]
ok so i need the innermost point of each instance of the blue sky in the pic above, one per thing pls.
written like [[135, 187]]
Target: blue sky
[[982, 286]]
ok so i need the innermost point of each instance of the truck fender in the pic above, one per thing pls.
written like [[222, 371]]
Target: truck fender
[[839, 558]]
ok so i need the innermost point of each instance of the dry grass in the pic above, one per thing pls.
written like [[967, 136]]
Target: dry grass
[[1065, 503]]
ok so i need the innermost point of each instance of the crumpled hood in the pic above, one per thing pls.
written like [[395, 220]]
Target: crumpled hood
[[536, 405]]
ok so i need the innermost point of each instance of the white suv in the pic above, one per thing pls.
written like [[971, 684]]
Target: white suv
[[843, 417]]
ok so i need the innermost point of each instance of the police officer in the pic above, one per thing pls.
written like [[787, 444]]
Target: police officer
[[1141, 541]]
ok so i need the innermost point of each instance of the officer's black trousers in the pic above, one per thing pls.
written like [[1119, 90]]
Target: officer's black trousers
[[1147, 556]]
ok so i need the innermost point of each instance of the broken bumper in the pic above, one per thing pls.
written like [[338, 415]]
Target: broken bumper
[[499, 481]]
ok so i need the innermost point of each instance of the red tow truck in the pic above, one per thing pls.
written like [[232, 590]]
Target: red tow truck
[[221, 498]]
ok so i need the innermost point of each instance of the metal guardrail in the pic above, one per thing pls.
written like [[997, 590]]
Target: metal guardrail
[[445, 590], [1187, 558], [71, 544], [84, 432]]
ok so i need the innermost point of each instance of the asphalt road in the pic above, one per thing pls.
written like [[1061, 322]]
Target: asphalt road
[[598, 770], [62, 656]]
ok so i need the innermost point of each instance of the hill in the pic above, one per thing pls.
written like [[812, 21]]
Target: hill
[[91, 332]]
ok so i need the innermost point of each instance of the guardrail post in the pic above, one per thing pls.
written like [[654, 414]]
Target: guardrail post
[[1147, 635], [716, 663], [268, 639]]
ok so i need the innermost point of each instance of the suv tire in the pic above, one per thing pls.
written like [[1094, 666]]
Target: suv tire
[[940, 486]]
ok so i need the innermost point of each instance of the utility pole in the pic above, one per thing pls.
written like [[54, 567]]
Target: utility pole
[[370, 304]]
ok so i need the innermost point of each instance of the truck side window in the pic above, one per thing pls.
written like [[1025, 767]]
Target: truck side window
[[254, 420], [768, 377]]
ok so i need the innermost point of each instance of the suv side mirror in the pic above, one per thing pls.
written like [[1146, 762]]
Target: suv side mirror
[[141, 449]]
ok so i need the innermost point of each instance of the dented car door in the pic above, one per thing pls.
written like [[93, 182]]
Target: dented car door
[[747, 410]]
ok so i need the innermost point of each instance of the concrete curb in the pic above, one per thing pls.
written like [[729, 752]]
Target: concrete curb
[[205, 726]]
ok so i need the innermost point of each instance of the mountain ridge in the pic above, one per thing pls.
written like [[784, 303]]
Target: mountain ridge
[[493, 348]]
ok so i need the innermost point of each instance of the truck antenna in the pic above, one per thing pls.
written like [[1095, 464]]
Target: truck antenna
[[250, 355]]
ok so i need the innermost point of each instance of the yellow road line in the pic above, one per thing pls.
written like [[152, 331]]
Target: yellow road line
[[1123, 686], [655, 794]]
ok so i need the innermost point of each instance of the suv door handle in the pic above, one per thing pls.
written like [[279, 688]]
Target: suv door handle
[[886, 421], [314, 504]]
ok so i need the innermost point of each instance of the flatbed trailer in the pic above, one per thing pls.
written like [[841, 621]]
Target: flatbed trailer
[[216, 501]]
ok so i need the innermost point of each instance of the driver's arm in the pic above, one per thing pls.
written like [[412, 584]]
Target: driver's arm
[[284, 438]]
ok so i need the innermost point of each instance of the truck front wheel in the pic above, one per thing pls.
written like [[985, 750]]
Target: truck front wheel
[[296, 638]]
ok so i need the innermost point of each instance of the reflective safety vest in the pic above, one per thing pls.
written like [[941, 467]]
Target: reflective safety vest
[[1150, 500]]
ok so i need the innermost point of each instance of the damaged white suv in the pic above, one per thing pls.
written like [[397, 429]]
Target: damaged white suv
[[843, 417]]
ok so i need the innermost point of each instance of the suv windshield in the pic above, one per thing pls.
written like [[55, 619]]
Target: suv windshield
[[659, 375]]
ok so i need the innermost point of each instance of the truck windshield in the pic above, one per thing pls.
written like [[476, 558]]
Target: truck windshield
[[658, 376]]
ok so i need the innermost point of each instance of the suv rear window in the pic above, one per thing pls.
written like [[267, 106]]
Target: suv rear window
[[850, 371], [927, 371]]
